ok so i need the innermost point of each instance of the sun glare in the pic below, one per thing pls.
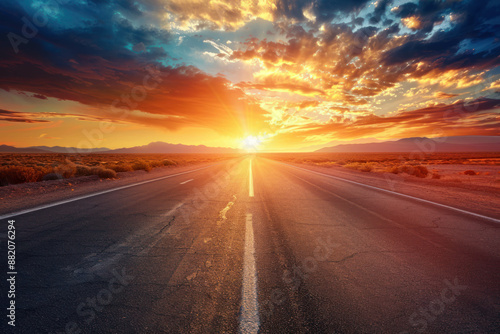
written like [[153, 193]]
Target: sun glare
[[251, 143]]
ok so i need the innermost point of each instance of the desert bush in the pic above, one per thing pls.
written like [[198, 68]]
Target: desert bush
[[418, 171], [436, 176], [107, 173], [366, 167], [82, 170], [103, 173], [470, 172], [168, 162], [96, 170], [20, 174], [66, 170], [156, 163], [141, 165], [121, 167], [352, 165], [393, 169]]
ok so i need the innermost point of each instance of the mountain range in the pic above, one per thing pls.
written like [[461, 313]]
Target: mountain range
[[155, 147], [423, 144]]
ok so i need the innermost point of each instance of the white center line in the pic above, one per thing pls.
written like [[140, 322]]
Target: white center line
[[186, 181], [250, 181], [249, 319]]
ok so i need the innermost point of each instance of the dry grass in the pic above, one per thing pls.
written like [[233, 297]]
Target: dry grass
[[104, 173], [364, 167], [408, 163], [142, 165], [21, 168], [417, 170]]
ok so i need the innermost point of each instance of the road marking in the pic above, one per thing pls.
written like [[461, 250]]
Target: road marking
[[249, 318], [400, 194], [46, 206], [222, 213], [250, 181], [186, 181]]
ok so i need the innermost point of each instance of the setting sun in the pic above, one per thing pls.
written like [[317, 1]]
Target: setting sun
[[251, 143], [270, 166]]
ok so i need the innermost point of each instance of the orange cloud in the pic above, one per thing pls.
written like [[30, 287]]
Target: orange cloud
[[412, 22], [443, 95]]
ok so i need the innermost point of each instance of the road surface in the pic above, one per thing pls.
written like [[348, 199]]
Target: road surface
[[252, 245]]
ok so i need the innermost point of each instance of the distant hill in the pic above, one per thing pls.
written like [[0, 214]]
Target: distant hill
[[155, 147], [60, 149], [47, 149], [162, 147], [423, 144], [12, 149]]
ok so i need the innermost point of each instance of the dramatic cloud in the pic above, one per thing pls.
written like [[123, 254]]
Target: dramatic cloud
[[305, 71], [14, 116]]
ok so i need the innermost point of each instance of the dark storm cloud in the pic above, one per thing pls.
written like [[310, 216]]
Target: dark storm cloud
[[324, 10], [474, 21], [379, 11]]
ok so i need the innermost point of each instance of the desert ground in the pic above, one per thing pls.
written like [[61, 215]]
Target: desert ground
[[473, 169], [22, 168]]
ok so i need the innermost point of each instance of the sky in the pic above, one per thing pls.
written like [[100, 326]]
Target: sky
[[277, 75]]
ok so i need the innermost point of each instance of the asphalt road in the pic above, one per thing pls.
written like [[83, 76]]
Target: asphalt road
[[251, 246]]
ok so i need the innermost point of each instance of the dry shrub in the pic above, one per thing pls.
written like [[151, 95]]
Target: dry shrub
[[470, 172], [141, 165], [393, 169], [21, 174], [65, 170], [352, 165], [366, 167], [107, 173], [168, 162], [121, 167], [156, 163], [436, 176], [104, 173], [82, 170], [418, 170]]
